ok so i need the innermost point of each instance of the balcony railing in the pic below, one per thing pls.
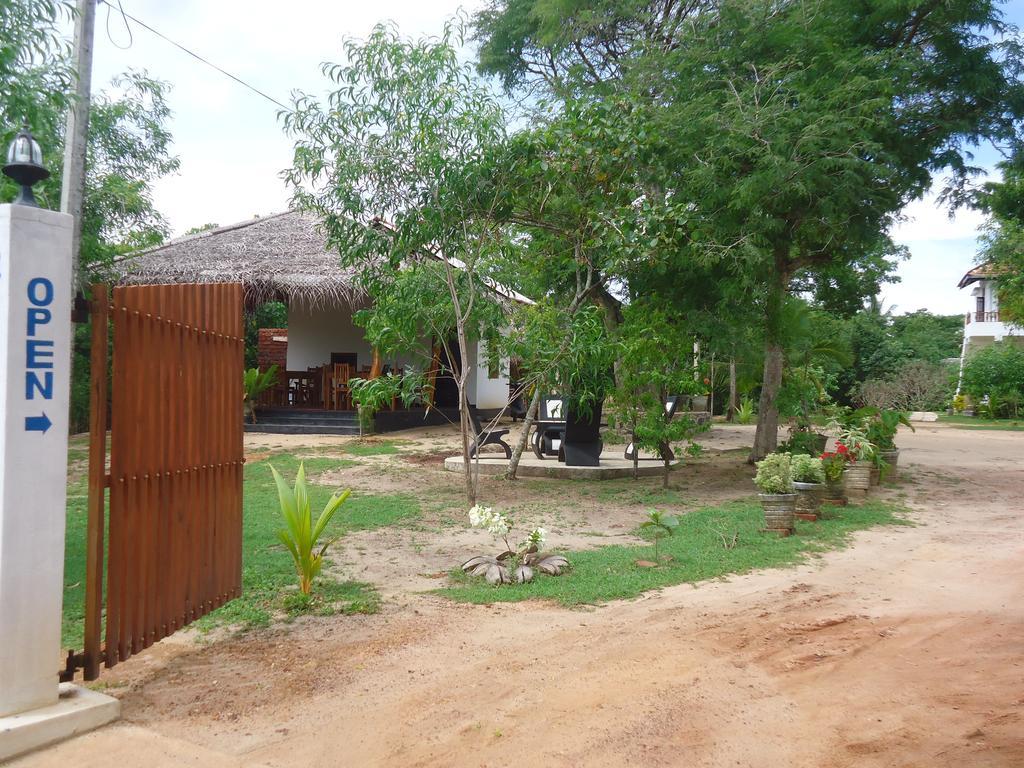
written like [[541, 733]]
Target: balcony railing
[[983, 317]]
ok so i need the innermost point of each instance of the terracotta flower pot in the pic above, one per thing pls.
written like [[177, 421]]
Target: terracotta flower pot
[[808, 500], [778, 512], [857, 479]]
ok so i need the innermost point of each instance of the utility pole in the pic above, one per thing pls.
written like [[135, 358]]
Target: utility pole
[[72, 189]]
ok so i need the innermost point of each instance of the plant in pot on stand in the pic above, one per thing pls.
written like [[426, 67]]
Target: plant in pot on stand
[[859, 452], [882, 427], [833, 463], [809, 484], [370, 396], [775, 480]]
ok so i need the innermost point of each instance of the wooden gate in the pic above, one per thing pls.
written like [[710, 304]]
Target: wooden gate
[[174, 526]]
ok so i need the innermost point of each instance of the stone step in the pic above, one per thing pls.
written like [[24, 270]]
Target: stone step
[[278, 428]]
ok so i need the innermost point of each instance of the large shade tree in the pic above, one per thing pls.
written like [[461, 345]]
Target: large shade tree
[[786, 137]]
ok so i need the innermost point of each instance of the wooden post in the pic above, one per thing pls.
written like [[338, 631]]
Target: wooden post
[[97, 481], [77, 131]]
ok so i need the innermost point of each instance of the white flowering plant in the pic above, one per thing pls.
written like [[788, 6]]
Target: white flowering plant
[[517, 564]]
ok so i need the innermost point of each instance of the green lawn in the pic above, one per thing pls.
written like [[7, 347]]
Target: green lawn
[[697, 552], [976, 422], [268, 576]]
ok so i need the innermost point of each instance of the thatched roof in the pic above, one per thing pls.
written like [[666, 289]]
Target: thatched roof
[[282, 256]]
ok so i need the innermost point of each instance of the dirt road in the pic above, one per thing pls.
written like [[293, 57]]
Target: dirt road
[[907, 649]]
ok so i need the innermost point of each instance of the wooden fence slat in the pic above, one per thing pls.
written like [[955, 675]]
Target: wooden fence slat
[[97, 483]]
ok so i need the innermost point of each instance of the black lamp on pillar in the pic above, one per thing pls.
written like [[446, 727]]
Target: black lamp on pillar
[[25, 166]]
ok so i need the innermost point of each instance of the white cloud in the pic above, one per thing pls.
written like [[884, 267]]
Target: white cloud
[[229, 140]]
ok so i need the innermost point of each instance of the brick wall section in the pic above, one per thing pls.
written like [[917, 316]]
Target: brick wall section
[[270, 352]]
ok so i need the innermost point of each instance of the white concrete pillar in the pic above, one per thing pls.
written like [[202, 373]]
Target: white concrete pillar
[[35, 296], [35, 346]]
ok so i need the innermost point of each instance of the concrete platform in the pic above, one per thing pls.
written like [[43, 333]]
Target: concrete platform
[[612, 466], [78, 710]]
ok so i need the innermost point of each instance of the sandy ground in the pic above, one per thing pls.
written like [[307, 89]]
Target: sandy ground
[[906, 649]]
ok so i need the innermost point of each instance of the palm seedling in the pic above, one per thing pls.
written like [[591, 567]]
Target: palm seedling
[[254, 384], [301, 536]]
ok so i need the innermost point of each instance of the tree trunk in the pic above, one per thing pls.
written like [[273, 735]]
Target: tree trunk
[[517, 452], [666, 453], [636, 458], [730, 414], [766, 438]]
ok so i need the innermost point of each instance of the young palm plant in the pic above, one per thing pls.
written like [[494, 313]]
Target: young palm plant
[[254, 384], [301, 535]]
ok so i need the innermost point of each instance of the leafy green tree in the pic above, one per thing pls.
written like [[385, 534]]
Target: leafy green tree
[[783, 138], [651, 367], [997, 372], [1004, 239], [928, 337], [399, 165], [128, 148]]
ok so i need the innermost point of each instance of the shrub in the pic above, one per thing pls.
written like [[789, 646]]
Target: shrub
[[802, 441], [775, 474], [745, 411], [917, 386], [807, 469], [998, 373]]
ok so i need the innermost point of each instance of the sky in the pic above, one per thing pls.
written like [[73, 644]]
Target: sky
[[232, 147]]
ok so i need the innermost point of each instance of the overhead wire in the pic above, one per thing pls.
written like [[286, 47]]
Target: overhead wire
[[125, 15], [131, 39]]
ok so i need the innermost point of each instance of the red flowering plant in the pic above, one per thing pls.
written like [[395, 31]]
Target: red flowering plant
[[852, 443], [833, 462]]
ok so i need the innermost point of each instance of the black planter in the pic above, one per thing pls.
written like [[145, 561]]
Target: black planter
[[582, 444]]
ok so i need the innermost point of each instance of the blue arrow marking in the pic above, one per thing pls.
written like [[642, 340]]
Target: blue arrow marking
[[37, 423]]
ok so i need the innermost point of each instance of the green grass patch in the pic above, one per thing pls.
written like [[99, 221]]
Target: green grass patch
[[372, 448], [268, 574], [976, 422], [696, 550]]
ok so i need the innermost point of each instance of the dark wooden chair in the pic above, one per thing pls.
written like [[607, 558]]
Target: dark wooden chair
[[549, 431], [670, 411], [340, 394], [486, 437]]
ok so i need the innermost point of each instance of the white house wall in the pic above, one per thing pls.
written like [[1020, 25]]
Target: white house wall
[[314, 333], [485, 391]]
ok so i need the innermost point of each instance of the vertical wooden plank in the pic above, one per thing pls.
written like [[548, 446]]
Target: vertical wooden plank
[[164, 565], [97, 482], [115, 560], [142, 514], [178, 591], [193, 387], [239, 433]]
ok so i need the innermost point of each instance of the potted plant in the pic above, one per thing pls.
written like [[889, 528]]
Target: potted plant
[[775, 480], [859, 452], [809, 484], [833, 463], [370, 395], [881, 431]]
